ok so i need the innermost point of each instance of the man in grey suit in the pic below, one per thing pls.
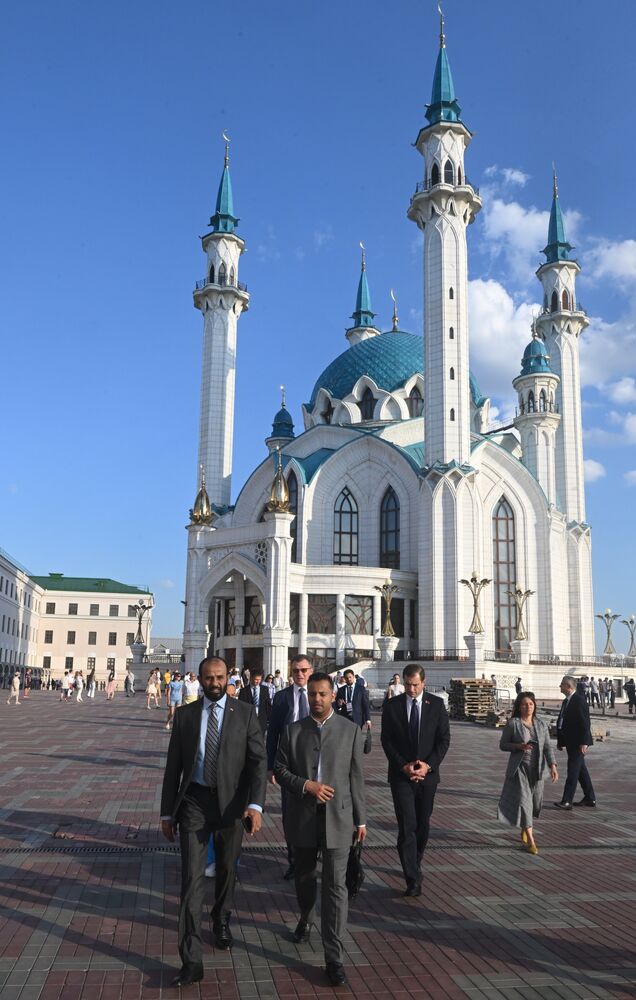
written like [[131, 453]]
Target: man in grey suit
[[319, 762], [215, 777]]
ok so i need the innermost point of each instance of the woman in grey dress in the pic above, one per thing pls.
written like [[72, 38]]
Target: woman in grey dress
[[527, 739]]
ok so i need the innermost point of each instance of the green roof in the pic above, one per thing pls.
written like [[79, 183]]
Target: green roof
[[87, 584], [443, 106], [558, 247]]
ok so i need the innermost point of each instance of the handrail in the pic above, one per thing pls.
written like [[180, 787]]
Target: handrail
[[220, 283]]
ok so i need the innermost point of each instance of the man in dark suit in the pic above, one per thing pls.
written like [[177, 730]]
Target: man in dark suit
[[574, 734], [353, 700], [319, 762], [415, 738], [289, 705], [257, 694], [215, 777]]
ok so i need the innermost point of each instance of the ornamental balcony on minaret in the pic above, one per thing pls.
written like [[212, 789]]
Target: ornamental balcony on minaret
[[443, 205]]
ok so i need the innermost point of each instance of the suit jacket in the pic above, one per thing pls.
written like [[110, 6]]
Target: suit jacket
[[359, 701], [264, 703], [574, 730], [241, 770], [339, 746], [396, 741], [513, 735], [281, 715]]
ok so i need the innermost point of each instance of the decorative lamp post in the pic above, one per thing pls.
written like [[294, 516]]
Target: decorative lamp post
[[476, 586], [388, 640], [520, 597], [140, 610], [631, 625], [608, 620]]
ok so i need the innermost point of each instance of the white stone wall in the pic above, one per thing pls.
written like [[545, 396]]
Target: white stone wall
[[20, 601]]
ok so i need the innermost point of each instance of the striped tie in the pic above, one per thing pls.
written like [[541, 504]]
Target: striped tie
[[212, 741], [303, 707]]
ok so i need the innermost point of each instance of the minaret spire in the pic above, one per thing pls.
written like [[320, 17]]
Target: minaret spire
[[224, 220], [442, 36], [363, 314], [557, 247], [443, 106]]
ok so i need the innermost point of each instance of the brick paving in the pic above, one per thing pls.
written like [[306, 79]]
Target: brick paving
[[88, 891]]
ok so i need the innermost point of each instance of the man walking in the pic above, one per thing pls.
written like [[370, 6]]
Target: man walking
[[289, 706], [415, 738], [574, 734], [319, 763], [353, 700], [215, 778], [257, 694]]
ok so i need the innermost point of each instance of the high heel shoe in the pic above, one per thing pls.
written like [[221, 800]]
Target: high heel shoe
[[524, 837], [533, 849]]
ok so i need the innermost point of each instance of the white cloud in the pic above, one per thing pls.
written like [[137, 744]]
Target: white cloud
[[593, 470], [510, 175], [615, 260], [630, 477], [499, 334], [167, 584], [630, 427], [606, 349], [623, 391]]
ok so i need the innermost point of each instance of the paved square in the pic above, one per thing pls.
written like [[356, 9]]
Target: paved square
[[88, 890]]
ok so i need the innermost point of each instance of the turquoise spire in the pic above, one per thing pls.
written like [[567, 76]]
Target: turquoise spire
[[443, 106], [363, 315], [536, 360], [558, 247], [224, 220]]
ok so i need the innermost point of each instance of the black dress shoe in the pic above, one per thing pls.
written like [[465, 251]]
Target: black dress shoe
[[222, 934], [290, 873], [189, 974], [413, 890], [302, 934], [336, 974], [563, 805], [586, 802]]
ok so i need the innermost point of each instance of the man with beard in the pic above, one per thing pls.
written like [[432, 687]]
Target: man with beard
[[214, 782]]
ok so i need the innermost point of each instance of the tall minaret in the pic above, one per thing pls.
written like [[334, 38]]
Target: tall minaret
[[538, 416], [362, 316], [560, 325], [443, 206], [221, 298]]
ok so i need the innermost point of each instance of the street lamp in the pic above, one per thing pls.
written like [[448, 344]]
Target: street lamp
[[140, 610], [608, 620]]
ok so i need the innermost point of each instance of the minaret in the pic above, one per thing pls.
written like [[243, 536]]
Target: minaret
[[537, 416], [221, 298], [362, 315], [443, 205], [282, 427], [560, 325]]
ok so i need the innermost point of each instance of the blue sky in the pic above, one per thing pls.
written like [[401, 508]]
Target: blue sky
[[114, 115]]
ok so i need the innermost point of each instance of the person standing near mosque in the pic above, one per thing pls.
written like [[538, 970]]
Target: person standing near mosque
[[575, 736], [14, 690]]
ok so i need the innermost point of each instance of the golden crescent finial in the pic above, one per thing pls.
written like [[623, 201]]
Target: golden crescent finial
[[442, 37], [363, 255], [227, 147], [395, 315]]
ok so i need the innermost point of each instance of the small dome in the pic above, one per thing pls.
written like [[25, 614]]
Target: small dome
[[283, 425], [535, 358]]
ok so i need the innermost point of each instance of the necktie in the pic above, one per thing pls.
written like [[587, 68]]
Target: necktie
[[212, 740], [303, 707], [255, 696], [414, 726], [348, 692]]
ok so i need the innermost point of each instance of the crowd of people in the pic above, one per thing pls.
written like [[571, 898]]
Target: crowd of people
[[242, 733]]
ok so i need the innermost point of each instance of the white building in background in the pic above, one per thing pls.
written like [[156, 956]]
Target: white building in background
[[88, 622], [19, 615], [397, 474]]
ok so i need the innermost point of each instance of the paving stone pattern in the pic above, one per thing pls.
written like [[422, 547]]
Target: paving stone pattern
[[88, 889]]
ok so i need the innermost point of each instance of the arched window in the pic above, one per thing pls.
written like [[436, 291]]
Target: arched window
[[232, 276], [222, 274], [504, 574], [449, 173], [367, 405], [451, 293], [565, 300], [451, 334], [452, 413], [292, 487], [451, 374], [543, 401], [415, 403], [390, 530], [211, 275], [554, 302], [435, 175], [459, 175], [451, 208], [531, 402], [345, 530]]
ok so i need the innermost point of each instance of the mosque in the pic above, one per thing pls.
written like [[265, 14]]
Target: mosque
[[397, 477]]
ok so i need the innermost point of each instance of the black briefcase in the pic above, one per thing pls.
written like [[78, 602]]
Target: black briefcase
[[355, 871]]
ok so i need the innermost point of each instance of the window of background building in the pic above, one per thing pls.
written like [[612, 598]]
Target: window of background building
[[72, 609], [90, 662], [113, 610], [46, 662], [92, 638], [94, 609], [321, 613], [50, 608], [504, 574], [345, 530], [358, 615], [253, 616], [390, 530], [131, 611], [112, 638], [397, 615], [70, 638], [294, 612], [48, 636], [3, 617], [130, 638], [68, 663], [110, 662], [229, 620], [322, 659]]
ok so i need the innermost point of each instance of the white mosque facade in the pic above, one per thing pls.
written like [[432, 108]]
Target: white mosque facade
[[397, 476]]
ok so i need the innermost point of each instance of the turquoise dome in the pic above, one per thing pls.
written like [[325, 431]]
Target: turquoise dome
[[283, 425], [535, 358], [389, 359]]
